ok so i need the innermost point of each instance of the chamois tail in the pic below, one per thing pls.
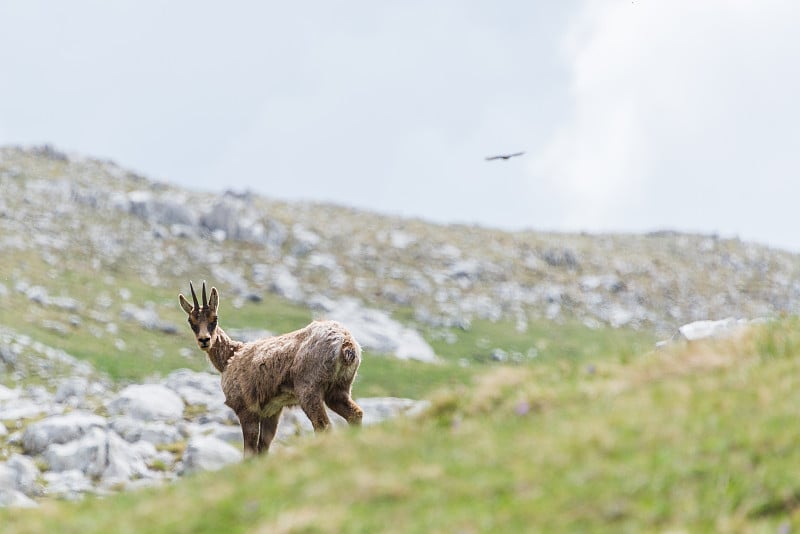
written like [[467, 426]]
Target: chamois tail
[[351, 351]]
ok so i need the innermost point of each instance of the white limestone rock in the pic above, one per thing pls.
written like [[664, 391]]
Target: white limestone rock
[[375, 330], [207, 453], [98, 454], [148, 402], [58, 429]]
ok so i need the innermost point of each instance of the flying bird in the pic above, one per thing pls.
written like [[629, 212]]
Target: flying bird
[[504, 156]]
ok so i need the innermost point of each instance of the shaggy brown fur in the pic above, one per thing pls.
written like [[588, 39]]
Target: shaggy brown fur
[[311, 367]]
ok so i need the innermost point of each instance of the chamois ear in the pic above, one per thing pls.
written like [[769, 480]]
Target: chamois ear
[[185, 304], [213, 300]]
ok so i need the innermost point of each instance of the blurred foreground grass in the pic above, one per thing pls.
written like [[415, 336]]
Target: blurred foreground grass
[[698, 438]]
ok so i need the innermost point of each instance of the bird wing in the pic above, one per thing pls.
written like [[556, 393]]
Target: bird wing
[[504, 156]]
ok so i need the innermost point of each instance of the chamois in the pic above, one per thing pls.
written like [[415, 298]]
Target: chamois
[[309, 367]]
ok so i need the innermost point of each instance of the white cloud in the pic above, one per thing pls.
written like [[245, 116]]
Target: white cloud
[[657, 113], [683, 115]]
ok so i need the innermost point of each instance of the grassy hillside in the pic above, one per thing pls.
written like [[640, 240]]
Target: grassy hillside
[[698, 438], [550, 411], [129, 352], [70, 222], [132, 353]]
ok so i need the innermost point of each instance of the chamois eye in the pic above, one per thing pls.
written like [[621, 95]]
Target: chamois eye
[[212, 325], [194, 327]]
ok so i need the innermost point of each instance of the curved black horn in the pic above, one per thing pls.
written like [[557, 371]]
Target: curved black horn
[[205, 300], [194, 296]]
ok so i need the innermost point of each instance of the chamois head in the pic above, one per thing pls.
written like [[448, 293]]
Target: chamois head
[[202, 319]]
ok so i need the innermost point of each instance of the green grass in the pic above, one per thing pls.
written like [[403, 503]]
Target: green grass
[[577, 430], [384, 376], [569, 340], [144, 353], [698, 438], [470, 355]]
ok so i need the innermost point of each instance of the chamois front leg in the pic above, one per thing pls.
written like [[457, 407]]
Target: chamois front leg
[[251, 427], [341, 403], [269, 426], [311, 403]]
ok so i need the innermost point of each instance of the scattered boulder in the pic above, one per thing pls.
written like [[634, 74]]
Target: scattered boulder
[[196, 388], [147, 317], [607, 282], [71, 484], [379, 409], [154, 432], [711, 329], [100, 453], [207, 453], [233, 217], [229, 433], [202, 389], [145, 205], [561, 257], [86, 453], [15, 499], [7, 393], [401, 240], [58, 429], [376, 330], [304, 240], [467, 269], [19, 473], [22, 409], [81, 452], [148, 402], [8, 355], [25, 474], [74, 390], [294, 423], [39, 295], [285, 284]]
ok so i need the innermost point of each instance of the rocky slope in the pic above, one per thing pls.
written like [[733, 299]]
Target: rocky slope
[[336, 259], [75, 433], [67, 430]]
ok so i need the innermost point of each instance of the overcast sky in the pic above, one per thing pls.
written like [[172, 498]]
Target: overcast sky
[[634, 115]]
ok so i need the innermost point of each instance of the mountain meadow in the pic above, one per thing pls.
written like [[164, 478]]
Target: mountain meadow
[[515, 381]]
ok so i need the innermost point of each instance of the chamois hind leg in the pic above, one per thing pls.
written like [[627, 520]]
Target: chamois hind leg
[[269, 426], [341, 403], [311, 403], [250, 423]]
